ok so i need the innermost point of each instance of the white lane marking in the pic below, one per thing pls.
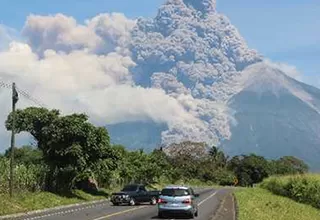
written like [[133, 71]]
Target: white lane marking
[[120, 213], [206, 199], [63, 212]]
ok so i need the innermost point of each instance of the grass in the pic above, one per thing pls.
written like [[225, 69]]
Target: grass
[[27, 201], [301, 188], [257, 203]]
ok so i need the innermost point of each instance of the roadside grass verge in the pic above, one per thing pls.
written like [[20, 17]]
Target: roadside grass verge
[[257, 203], [27, 201], [301, 188]]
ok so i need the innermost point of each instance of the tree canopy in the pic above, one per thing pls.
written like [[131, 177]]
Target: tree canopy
[[70, 144]]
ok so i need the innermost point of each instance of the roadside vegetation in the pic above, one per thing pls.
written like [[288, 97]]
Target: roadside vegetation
[[28, 201], [258, 203], [301, 188], [71, 154]]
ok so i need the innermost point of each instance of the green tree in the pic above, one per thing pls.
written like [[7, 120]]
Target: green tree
[[289, 165], [26, 155], [218, 157], [71, 146], [164, 168], [249, 169]]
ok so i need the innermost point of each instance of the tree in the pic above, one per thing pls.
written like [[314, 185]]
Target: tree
[[186, 157], [71, 146], [249, 169], [218, 157], [289, 165], [162, 166], [25, 155], [187, 149]]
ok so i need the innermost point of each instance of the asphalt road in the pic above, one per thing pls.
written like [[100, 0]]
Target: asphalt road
[[209, 201]]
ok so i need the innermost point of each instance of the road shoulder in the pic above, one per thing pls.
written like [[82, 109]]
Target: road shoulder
[[227, 208], [77, 206]]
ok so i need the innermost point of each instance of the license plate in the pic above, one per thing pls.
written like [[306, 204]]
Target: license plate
[[173, 205]]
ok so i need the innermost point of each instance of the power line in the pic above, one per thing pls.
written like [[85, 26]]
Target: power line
[[28, 96], [5, 85], [23, 93]]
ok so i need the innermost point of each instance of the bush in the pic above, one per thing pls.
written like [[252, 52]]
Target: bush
[[249, 169], [26, 177], [302, 188], [224, 177]]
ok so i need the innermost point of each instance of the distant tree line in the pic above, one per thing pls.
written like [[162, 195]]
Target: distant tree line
[[71, 152]]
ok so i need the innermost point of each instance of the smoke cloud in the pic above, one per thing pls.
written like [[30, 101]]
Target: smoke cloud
[[290, 70], [72, 67], [93, 68], [176, 69]]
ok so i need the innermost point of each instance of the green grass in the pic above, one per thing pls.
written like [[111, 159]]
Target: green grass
[[27, 201], [257, 203], [301, 188]]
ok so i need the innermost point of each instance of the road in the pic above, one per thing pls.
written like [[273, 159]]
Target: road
[[209, 202]]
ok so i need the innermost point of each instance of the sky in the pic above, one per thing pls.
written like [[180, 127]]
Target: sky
[[284, 31]]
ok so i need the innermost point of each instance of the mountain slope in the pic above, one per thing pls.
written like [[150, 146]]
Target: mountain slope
[[239, 102], [275, 116], [137, 135]]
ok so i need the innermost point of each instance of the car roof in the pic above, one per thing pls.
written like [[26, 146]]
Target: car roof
[[176, 187], [133, 184]]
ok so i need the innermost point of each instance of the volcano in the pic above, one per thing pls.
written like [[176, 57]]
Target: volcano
[[243, 104]]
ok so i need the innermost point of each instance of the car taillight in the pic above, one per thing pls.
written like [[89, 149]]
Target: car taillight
[[187, 201], [162, 201]]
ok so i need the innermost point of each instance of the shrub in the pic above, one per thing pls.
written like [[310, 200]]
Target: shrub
[[302, 188], [224, 177], [26, 177]]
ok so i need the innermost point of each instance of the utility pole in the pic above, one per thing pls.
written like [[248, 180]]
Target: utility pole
[[15, 99]]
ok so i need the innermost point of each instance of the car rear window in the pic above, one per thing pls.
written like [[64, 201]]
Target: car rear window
[[175, 192], [129, 188]]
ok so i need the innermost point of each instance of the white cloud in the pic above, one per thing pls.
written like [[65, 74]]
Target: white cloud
[[102, 34], [123, 103], [7, 34], [79, 81], [114, 29], [58, 32], [86, 80]]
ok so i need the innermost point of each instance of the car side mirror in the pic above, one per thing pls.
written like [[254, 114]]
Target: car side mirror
[[196, 195]]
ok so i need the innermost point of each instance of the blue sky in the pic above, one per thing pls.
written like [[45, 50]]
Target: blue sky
[[285, 31]]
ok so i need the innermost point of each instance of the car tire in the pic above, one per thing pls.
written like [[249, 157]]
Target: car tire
[[196, 214], [132, 202], [192, 215], [153, 201], [160, 215]]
